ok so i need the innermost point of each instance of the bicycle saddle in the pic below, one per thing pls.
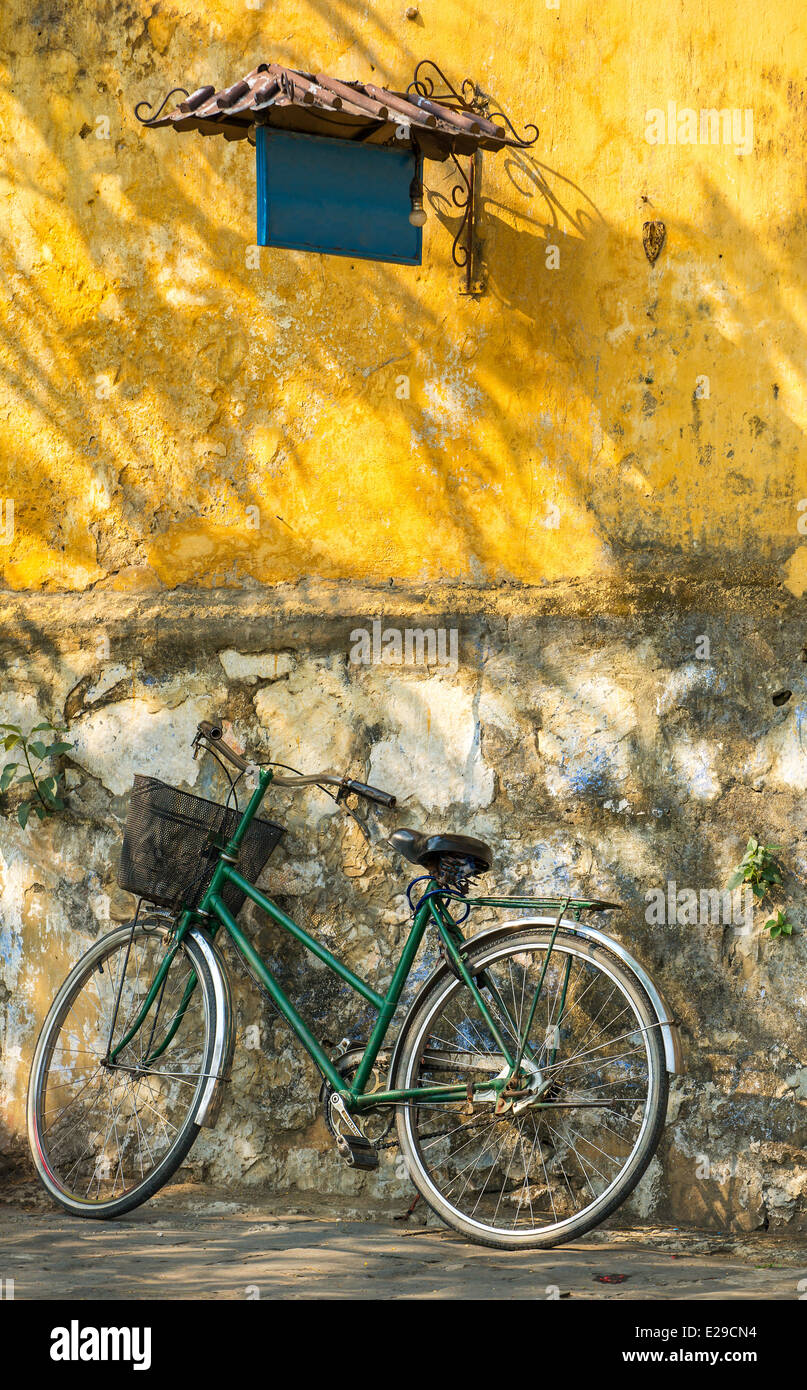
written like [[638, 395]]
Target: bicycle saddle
[[427, 849]]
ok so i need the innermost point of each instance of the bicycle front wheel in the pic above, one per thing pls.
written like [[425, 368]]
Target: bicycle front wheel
[[107, 1128], [550, 1163]]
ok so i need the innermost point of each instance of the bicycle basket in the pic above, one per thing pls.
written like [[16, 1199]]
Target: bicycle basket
[[172, 842]]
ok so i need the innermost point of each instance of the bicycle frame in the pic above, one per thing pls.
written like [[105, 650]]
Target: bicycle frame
[[213, 913]]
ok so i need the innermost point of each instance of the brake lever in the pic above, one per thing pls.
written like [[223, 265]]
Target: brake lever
[[342, 794], [360, 823]]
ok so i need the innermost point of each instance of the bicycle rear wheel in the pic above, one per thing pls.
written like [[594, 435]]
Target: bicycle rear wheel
[[552, 1164], [106, 1134]]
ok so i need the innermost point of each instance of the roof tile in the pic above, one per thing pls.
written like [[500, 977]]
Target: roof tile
[[277, 95]]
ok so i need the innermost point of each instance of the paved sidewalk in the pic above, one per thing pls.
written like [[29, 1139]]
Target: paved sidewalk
[[189, 1245]]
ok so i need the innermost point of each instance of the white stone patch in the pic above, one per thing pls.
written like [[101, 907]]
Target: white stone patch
[[58, 673], [780, 754], [10, 1065], [694, 677], [788, 1191], [649, 1190], [434, 755], [21, 710], [15, 876], [622, 329], [281, 316], [534, 865], [294, 879], [121, 739], [250, 667], [497, 708], [451, 402], [183, 281], [584, 742], [309, 719], [693, 766], [798, 1082], [99, 904]]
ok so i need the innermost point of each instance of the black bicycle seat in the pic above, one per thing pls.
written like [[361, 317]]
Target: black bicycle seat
[[425, 849]]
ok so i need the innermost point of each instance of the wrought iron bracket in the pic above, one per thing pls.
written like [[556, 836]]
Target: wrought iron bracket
[[154, 115], [466, 250], [469, 97]]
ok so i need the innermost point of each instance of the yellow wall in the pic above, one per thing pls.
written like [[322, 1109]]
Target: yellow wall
[[152, 387]]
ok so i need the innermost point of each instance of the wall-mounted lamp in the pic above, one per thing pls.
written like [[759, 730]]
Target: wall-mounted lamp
[[417, 216]]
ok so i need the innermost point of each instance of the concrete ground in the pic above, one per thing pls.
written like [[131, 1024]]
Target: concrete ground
[[190, 1243]]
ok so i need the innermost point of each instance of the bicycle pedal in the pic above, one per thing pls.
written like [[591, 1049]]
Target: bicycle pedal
[[357, 1151]]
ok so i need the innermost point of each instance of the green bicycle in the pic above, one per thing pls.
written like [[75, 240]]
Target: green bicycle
[[528, 1080]]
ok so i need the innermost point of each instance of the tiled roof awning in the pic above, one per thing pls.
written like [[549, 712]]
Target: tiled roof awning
[[315, 104]]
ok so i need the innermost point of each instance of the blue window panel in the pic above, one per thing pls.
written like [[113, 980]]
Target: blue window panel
[[335, 196]]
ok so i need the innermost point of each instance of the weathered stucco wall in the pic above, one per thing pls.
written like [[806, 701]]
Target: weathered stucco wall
[[155, 387], [584, 472]]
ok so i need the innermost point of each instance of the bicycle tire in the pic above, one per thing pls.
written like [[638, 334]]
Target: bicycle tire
[[43, 1052], [434, 998]]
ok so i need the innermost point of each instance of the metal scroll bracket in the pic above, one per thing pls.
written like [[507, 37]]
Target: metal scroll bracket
[[152, 114], [467, 249]]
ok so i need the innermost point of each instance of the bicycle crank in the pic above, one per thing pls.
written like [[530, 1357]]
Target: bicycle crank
[[376, 1124], [353, 1146]]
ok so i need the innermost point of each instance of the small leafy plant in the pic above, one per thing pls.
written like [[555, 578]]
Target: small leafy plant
[[779, 925], [758, 867], [45, 796], [761, 870]]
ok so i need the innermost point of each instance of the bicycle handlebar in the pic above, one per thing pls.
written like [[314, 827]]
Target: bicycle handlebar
[[369, 793], [214, 734]]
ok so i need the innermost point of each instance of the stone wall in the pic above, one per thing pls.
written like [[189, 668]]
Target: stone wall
[[580, 735]]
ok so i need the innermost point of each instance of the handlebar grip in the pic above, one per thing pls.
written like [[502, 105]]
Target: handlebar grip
[[370, 793]]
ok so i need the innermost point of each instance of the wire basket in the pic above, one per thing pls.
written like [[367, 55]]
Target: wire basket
[[172, 843]]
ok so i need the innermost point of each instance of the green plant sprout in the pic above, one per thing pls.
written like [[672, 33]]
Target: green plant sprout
[[761, 870], [45, 796], [758, 867], [779, 925]]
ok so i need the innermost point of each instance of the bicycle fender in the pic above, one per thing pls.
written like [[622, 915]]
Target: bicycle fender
[[673, 1051], [209, 1102]]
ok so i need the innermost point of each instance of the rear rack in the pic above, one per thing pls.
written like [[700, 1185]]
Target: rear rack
[[576, 906]]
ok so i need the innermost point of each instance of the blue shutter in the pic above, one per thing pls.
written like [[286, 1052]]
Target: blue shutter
[[336, 196]]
